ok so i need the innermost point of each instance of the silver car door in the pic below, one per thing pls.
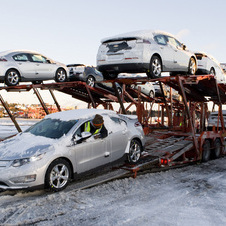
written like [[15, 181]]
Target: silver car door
[[118, 137], [25, 66], [166, 50], [44, 68], [90, 153], [181, 57]]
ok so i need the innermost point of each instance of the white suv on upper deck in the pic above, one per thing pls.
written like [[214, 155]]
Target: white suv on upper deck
[[151, 52]]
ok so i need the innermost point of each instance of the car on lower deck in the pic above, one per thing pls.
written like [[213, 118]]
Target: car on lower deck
[[56, 150], [29, 66], [151, 52]]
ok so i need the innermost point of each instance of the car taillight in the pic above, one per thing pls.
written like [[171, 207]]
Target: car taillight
[[164, 161], [2, 59], [136, 124]]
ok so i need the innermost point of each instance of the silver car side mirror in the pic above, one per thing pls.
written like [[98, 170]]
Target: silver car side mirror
[[86, 135]]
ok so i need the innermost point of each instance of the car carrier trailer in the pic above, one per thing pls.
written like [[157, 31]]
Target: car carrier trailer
[[186, 138]]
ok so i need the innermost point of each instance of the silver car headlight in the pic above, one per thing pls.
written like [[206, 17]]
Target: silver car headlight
[[21, 162]]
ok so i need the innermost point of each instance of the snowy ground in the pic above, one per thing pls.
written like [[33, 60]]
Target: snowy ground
[[192, 195]]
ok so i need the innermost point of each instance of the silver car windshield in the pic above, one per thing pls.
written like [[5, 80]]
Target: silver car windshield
[[51, 128]]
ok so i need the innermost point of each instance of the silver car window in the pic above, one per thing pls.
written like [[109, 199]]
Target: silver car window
[[21, 57], [160, 39], [38, 58]]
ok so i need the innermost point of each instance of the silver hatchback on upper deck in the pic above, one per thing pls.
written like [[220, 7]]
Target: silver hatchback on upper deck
[[28, 66], [150, 52]]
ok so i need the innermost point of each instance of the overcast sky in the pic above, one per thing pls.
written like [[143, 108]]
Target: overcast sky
[[70, 31]]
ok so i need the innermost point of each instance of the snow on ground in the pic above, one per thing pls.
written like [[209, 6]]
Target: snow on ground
[[192, 195]]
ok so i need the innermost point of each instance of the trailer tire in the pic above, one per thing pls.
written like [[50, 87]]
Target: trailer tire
[[206, 151], [217, 148]]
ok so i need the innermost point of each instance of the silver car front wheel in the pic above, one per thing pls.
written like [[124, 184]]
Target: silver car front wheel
[[61, 75], [58, 175], [12, 77], [192, 66], [90, 81]]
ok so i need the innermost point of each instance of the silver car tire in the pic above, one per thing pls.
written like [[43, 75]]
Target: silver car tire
[[192, 68], [90, 81], [12, 77], [61, 75], [58, 175], [151, 94], [155, 67], [135, 150]]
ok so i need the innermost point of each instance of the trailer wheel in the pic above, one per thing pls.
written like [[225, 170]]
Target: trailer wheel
[[217, 148], [206, 151]]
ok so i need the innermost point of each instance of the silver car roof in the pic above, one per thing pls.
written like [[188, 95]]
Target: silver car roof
[[142, 34]]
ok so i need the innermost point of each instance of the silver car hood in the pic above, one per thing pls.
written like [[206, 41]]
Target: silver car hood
[[24, 145]]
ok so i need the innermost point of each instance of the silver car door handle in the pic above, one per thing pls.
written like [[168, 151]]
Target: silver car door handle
[[106, 154], [37, 64]]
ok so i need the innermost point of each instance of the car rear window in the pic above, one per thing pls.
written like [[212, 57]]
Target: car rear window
[[20, 57]]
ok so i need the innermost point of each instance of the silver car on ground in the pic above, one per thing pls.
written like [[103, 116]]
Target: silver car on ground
[[29, 66], [150, 52], [55, 150]]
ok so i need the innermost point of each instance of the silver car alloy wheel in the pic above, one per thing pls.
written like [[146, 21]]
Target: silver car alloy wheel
[[59, 176], [13, 78], [61, 75], [156, 67], [135, 151], [192, 66], [90, 81]]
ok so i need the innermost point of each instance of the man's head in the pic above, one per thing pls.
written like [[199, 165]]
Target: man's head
[[98, 121]]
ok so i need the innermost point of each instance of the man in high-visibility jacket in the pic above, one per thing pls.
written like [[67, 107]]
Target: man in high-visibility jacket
[[96, 127]]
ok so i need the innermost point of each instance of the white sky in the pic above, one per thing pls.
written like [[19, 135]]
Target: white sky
[[70, 31]]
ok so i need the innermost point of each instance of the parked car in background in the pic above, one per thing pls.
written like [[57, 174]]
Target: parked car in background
[[209, 65], [146, 88], [150, 52], [55, 150], [28, 66], [90, 75]]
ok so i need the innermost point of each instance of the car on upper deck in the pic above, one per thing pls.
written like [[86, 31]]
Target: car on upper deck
[[92, 77], [150, 52], [207, 64], [57, 149], [29, 66]]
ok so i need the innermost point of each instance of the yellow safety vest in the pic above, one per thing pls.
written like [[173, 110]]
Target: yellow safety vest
[[87, 128]]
